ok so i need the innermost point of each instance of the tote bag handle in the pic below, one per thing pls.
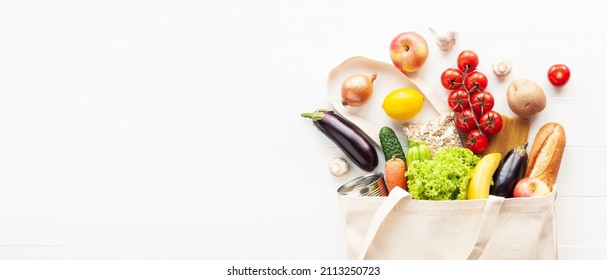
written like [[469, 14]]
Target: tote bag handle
[[488, 223]]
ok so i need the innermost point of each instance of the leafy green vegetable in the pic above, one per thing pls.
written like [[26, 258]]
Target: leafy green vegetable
[[444, 177]]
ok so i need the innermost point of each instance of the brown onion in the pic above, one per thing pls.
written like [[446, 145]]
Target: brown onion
[[357, 89]]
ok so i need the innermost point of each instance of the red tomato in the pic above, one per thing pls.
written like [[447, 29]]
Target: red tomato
[[477, 141], [475, 82], [465, 120], [482, 102], [458, 100], [491, 122], [558, 75], [452, 78], [467, 61]]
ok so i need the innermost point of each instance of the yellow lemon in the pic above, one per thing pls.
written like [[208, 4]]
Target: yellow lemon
[[403, 103]]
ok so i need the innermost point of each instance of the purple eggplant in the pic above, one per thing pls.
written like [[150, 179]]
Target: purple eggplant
[[357, 145], [510, 170]]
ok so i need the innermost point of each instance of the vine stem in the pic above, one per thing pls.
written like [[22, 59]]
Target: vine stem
[[469, 93]]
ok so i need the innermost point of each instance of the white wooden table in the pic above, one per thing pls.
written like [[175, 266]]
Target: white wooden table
[[171, 129]]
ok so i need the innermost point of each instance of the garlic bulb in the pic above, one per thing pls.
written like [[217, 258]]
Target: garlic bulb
[[445, 38], [502, 67], [338, 167]]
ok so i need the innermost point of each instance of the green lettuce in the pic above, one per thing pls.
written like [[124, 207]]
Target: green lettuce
[[444, 177]]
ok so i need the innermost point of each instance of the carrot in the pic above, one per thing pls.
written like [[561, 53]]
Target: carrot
[[395, 173]]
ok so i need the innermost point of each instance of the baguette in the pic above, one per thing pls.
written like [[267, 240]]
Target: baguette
[[546, 153]]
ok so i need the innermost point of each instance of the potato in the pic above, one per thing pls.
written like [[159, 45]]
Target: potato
[[525, 98]]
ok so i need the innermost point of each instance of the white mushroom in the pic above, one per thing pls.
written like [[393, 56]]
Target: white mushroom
[[502, 67], [445, 38], [338, 166]]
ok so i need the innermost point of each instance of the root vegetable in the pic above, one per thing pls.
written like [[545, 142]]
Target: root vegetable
[[445, 38], [526, 98], [357, 89], [395, 173]]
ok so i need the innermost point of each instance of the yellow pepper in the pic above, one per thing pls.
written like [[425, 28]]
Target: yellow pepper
[[479, 185]]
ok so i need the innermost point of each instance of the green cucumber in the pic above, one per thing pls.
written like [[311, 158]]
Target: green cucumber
[[390, 144]]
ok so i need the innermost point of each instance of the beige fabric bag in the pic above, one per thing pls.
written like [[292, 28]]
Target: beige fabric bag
[[399, 227]]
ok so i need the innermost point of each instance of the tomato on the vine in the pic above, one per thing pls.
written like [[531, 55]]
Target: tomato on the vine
[[475, 82], [491, 122], [458, 100], [482, 102], [465, 120], [452, 78], [477, 141], [472, 104], [467, 61], [558, 75]]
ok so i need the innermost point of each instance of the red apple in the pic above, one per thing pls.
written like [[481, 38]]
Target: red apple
[[531, 187], [408, 51]]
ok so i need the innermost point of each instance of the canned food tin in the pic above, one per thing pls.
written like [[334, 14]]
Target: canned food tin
[[371, 184]]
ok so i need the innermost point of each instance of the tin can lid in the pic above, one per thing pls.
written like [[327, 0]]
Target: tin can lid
[[362, 185]]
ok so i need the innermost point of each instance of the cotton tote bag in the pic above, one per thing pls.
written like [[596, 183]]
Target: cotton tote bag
[[399, 227]]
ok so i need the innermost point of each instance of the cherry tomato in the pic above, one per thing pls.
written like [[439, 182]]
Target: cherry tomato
[[467, 61], [452, 78], [465, 120], [491, 122], [482, 102], [475, 82], [558, 75], [458, 100], [477, 141]]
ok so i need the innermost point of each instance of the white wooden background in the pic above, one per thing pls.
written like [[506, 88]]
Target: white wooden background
[[171, 129]]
